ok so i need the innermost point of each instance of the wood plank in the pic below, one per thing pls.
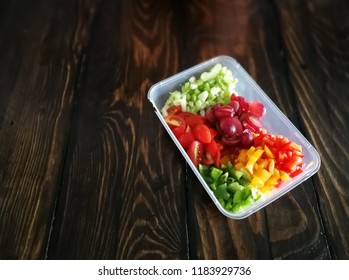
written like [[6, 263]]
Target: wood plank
[[40, 48], [215, 28], [315, 35], [246, 31], [294, 222], [122, 195]]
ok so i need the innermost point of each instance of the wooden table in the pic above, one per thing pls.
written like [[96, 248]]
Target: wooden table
[[88, 172]]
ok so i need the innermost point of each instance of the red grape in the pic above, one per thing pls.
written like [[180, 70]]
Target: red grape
[[230, 126], [235, 105], [246, 139], [224, 112], [231, 141], [209, 115], [251, 122]]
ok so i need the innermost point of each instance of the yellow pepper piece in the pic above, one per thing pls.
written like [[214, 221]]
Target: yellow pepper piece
[[239, 165], [253, 159], [266, 188], [271, 166], [284, 176], [272, 180], [263, 163], [250, 151], [268, 153], [257, 182], [242, 156], [263, 174]]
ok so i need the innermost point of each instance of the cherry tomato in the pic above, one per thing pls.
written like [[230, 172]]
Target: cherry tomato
[[174, 121], [179, 130], [214, 132], [211, 147], [202, 133], [174, 109], [186, 138], [207, 158], [195, 151], [193, 120]]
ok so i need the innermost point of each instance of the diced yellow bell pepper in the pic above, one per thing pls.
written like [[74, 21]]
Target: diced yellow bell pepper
[[250, 151], [239, 165], [284, 176], [268, 153], [266, 188], [263, 174], [272, 180], [263, 163], [242, 156], [253, 159], [271, 166], [257, 182]]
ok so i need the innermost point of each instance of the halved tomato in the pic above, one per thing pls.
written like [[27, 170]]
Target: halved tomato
[[202, 133], [211, 147], [174, 109], [195, 151], [174, 121], [186, 138], [192, 119], [207, 158], [179, 130]]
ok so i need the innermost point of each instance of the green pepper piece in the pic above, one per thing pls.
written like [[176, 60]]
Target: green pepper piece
[[221, 192], [215, 174], [234, 187]]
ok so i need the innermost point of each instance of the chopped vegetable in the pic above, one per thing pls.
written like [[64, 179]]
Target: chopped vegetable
[[230, 187], [223, 136], [196, 95]]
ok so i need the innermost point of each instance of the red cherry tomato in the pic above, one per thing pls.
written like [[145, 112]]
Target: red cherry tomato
[[195, 151], [202, 133], [174, 121], [179, 130], [211, 147], [186, 138], [174, 109], [194, 120], [207, 158]]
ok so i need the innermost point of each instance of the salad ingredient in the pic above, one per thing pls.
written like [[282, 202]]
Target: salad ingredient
[[202, 133], [246, 139], [236, 121], [230, 186], [196, 95], [269, 169], [223, 135], [195, 151], [230, 126], [288, 155]]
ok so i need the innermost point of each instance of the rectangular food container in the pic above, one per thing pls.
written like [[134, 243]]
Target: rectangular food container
[[274, 121]]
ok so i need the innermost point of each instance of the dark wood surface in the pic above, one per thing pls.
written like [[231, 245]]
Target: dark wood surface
[[88, 172]]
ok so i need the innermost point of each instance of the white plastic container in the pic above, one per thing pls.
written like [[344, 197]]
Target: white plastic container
[[274, 121]]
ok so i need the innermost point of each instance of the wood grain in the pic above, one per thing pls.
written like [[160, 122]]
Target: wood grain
[[40, 49], [315, 35], [88, 172], [216, 28], [123, 192], [246, 30]]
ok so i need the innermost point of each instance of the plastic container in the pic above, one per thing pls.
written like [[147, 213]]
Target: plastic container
[[274, 121]]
